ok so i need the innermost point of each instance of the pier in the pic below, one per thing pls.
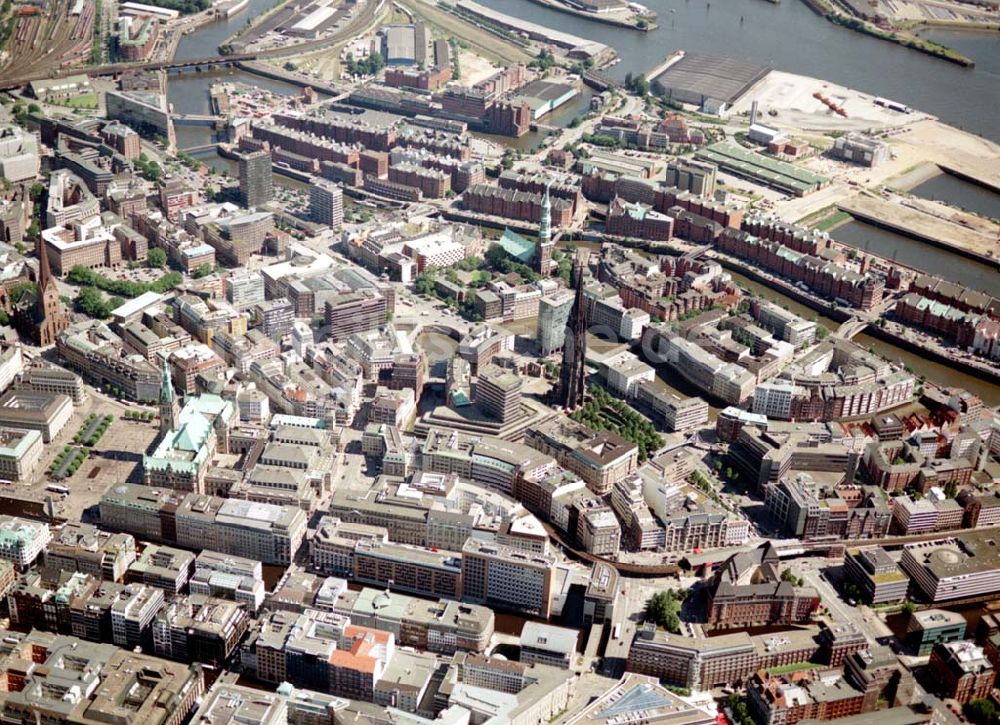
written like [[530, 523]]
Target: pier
[[941, 226], [985, 177], [267, 70]]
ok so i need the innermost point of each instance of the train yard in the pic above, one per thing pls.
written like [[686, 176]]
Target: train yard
[[49, 39]]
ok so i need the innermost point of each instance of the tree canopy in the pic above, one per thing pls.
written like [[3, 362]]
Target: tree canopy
[[156, 258], [664, 609]]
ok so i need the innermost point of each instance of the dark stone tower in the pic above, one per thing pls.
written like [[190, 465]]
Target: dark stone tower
[[572, 376]]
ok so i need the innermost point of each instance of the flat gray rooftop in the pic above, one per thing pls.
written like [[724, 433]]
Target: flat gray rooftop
[[714, 76]]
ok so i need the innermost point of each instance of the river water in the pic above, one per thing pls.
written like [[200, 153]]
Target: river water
[[750, 29], [790, 37]]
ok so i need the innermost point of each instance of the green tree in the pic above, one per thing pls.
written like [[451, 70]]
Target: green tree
[[543, 61], [789, 576], [17, 290], [664, 608], [424, 284], [156, 258], [91, 303], [981, 712], [951, 489], [741, 713]]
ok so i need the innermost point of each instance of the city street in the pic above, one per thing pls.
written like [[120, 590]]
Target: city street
[[817, 573]]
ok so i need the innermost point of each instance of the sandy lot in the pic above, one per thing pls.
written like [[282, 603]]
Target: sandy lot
[[918, 150], [791, 96], [931, 140], [948, 226], [474, 68]]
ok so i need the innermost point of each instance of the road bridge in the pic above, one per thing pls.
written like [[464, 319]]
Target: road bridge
[[851, 327], [203, 148], [196, 119]]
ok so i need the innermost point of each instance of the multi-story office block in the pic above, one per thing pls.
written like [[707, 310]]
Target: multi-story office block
[[326, 202], [256, 184], [503, 577], [956, 568], [20, 453], [876, 574], [498, 393], [85, 548], [132, 614], [553, 320], [929, 627]]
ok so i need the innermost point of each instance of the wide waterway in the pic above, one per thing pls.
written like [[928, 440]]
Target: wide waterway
[[960, 193], [790, 37]]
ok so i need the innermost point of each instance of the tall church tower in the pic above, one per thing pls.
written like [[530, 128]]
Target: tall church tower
[[170, 409], [544, 245], [573, 373], [49, 317]]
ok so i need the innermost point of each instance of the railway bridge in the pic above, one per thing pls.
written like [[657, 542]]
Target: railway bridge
[[114, 69]]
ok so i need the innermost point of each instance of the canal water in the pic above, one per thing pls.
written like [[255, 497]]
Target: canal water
[[920, 255], [961, 194]]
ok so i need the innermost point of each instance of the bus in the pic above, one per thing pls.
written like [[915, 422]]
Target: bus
[[617, 631], [55, 488]]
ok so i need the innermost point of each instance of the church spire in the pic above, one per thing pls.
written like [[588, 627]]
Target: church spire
[[46, 318], [43, 301], [169, 409], [166, 384], [545, 223], [44, 271], [543, 247]]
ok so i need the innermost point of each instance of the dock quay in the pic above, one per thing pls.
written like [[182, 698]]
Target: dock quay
[[960, 232], [575, 45], [985, 177], [280, 74], [667, 62]]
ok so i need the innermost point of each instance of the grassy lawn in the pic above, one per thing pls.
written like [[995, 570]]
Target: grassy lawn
[[87, 100], [833, 220]]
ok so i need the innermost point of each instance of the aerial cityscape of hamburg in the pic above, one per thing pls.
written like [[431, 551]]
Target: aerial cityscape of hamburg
[[499, 362]]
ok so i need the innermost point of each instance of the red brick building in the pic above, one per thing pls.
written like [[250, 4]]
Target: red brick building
[[638, 221], [512, 204], [961, 671]]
